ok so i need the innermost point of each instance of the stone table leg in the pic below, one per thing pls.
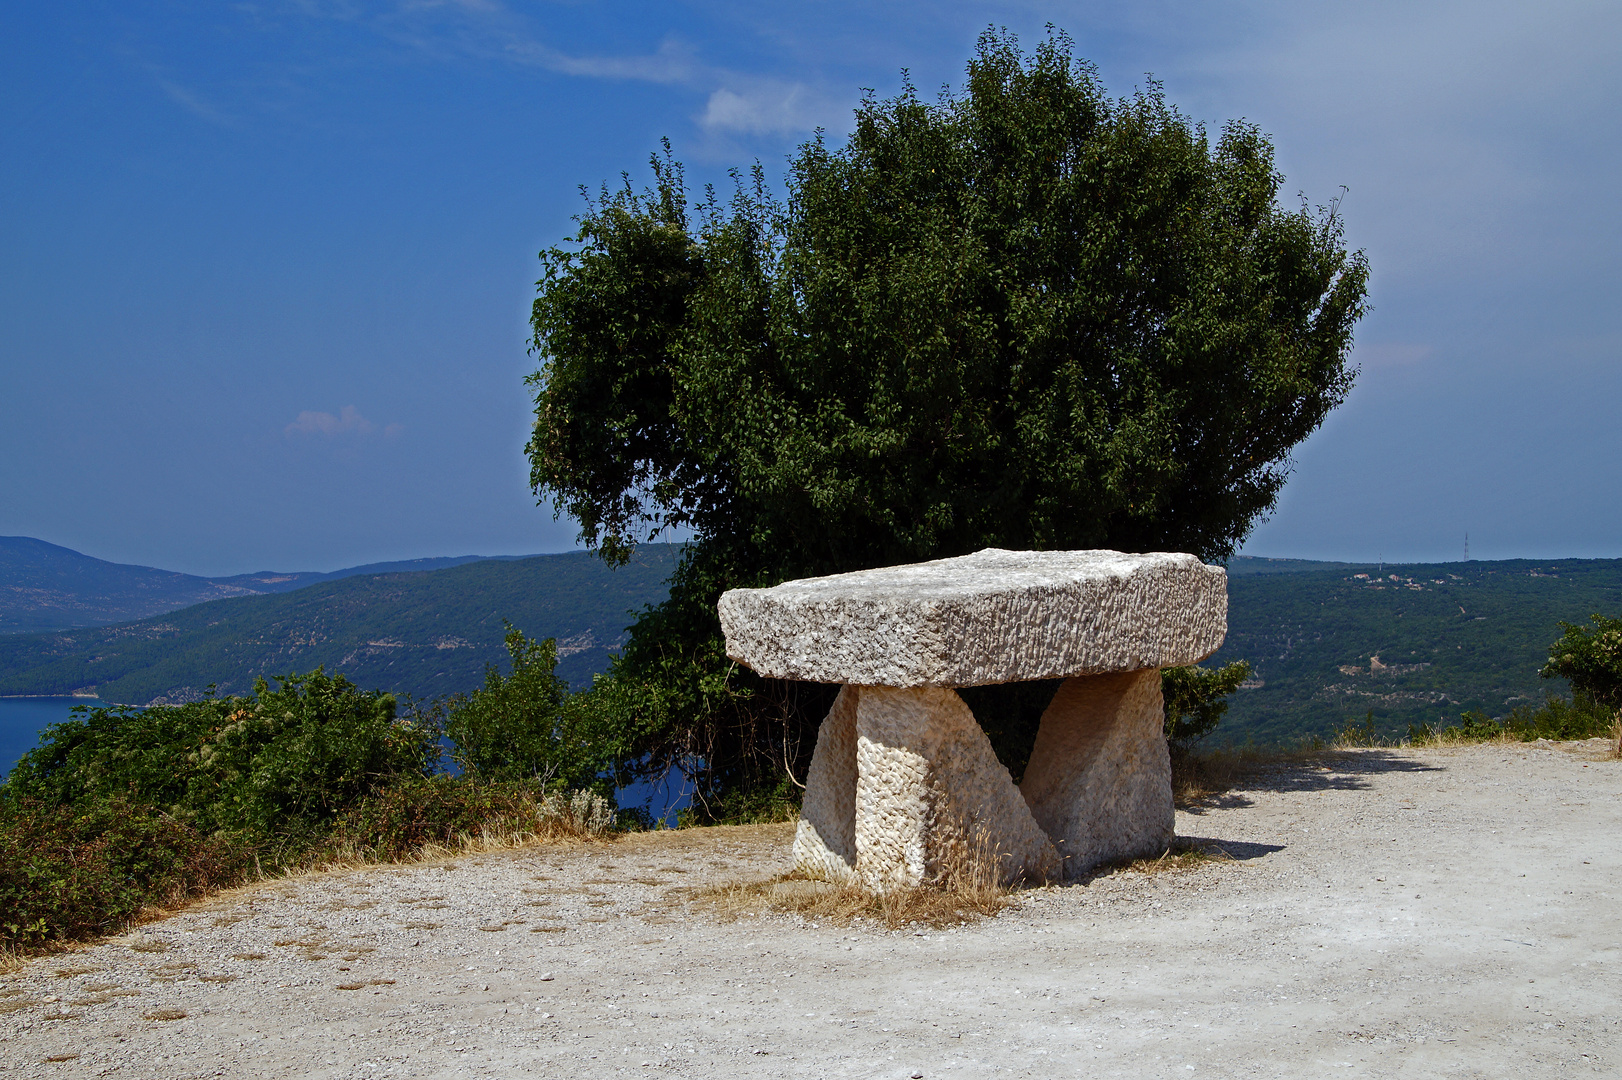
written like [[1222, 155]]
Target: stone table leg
[[929, 789], [1099, 780], [825, 839]]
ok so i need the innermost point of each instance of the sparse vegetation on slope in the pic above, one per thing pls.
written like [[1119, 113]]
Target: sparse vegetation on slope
[[1417, 645], [418, 634]]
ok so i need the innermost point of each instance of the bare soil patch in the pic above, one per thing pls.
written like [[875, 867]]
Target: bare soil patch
[[1439, 912]]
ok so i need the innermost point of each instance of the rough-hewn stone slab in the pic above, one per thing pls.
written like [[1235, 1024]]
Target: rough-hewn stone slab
[[991, 617], [932, 798], [1099, 778]]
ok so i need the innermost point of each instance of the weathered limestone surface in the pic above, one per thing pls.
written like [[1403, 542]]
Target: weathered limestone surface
[[825, 839], [929, 787], [991, 617], [904, 781], [1099, 778]]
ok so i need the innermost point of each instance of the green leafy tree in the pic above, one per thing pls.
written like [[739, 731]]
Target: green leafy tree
[[1591, 658], [1196, 700], [1025, 315], [521, 726]]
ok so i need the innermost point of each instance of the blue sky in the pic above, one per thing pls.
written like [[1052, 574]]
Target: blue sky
[[265, 267]]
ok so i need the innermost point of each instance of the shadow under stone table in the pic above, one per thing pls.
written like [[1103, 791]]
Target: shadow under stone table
[[904, 781]]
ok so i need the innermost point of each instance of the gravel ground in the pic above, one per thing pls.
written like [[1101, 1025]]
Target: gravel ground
[[1443, 913]]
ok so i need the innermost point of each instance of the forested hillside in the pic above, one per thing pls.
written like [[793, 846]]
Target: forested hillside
[[1328, 642], [1417, 644], [48, 587], [422, 634]]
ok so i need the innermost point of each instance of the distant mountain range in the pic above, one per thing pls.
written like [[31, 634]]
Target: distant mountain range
[[46, 587], [1328, 642], [423, 633]]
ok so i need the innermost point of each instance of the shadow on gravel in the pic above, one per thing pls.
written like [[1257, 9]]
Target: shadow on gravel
[[1229, 786], [1237, 850], [1185, 853]]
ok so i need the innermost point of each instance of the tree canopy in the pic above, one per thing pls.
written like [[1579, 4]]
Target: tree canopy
[[1591, 657], [1024, 315]]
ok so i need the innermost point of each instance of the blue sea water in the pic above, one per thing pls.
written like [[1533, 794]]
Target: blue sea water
[[23, 718]]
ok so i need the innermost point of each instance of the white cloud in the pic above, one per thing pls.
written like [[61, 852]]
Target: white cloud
[[764, 109], [738, 103], [349, 421], [671, 64]]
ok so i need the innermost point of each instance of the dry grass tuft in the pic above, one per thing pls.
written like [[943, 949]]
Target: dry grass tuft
[[166, 1014], [967, 886], [524, 818], [928, 905], [1182, 855]]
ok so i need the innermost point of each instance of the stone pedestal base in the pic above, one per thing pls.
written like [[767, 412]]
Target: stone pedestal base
[[1099, 781], [825, 839], [912, 792], [904, 787]]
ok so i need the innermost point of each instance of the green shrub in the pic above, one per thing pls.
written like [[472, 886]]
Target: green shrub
[[140, 755], [68, 874], [285, 761], [1478, 727], [1196, 700], [1592, 659], [298, 756], [525, 726], [1580, 717], [118, 809]]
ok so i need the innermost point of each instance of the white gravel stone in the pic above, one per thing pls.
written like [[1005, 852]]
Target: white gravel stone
[[992, 617]]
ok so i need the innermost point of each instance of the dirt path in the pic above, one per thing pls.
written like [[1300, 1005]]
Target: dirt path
[[1413, 913]]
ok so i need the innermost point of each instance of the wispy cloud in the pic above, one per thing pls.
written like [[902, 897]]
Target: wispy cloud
[[737, 103], [194, 103], [348, 422], [672, 63], [766, 108]]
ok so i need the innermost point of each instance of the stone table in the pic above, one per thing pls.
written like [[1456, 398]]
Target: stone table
[[904, 786]]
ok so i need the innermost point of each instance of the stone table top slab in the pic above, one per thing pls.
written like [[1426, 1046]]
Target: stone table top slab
[[992, 617]]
